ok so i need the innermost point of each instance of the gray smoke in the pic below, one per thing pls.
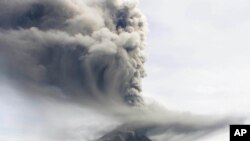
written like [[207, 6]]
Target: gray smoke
[[92, 45], [86, 52]]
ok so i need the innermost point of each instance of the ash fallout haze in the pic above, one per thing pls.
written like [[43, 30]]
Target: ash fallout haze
[[71, 70]]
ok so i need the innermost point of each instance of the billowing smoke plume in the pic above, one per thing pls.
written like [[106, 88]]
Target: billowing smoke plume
[[88, 52], [93, 45]]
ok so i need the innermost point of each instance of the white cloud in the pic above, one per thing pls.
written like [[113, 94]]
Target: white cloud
[[197, 47], [199, 56]]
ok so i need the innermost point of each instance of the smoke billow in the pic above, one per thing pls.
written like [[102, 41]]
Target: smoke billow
[[92, 45], [86, 52]]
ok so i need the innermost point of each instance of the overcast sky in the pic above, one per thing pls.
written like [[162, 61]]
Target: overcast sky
[[198, 56]]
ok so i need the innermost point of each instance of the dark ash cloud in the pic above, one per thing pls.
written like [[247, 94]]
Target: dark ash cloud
[[84, 44], [87, 52]]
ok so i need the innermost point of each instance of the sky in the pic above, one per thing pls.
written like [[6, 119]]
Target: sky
[[198, 56]]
